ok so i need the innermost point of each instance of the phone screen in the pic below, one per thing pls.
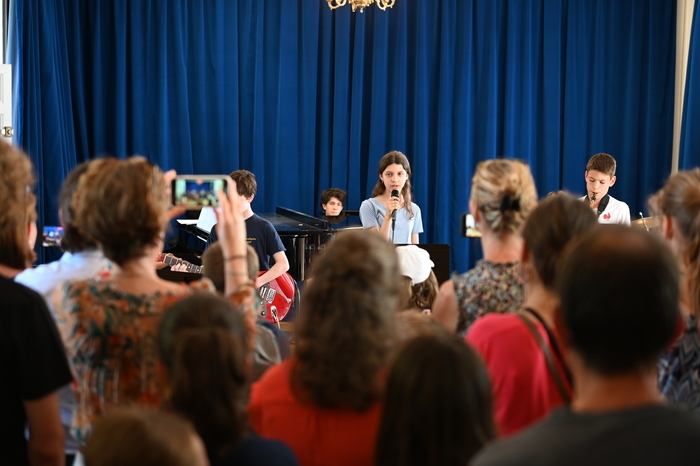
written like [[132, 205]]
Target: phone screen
[[197, 191], [468, 227], [51, 237]]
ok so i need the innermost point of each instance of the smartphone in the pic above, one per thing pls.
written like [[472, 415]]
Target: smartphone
[[468, 227], [193, 192], [51, 237]]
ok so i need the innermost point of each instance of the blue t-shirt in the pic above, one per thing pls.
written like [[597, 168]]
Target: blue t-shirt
[[261, 235], [372, 214], [256, 450]]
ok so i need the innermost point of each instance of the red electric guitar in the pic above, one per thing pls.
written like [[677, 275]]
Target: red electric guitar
[[278, 295]]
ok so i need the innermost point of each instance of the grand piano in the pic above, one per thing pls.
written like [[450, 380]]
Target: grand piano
[[303, 236]]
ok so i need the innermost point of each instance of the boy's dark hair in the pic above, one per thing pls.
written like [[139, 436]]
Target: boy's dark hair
[[333, 192], [553, 223], [604, 163], [619, 291], [245, 182], [425, 420], [73, 240]]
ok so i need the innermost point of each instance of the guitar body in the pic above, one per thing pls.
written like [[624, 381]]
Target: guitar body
[[278, 296]]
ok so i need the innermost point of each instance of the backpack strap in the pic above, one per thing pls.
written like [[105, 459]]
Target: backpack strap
[[548, 357]]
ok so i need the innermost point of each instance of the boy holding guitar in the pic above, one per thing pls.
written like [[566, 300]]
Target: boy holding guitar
[[261, 235]]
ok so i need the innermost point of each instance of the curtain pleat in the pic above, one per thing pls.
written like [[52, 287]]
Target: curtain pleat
[[309, 98]]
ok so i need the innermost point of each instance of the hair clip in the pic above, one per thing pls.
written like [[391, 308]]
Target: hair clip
[[508, 203]]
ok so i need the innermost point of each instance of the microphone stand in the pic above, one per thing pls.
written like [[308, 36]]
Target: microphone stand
[[643, 221]]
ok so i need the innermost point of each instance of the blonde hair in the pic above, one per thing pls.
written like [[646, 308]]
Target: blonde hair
[[16, 183], [122, 205], [679, 199], [504, 193]]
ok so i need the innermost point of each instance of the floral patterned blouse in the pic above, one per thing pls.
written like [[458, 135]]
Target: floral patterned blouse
[[679, 369], [488, 287], [111, 342]]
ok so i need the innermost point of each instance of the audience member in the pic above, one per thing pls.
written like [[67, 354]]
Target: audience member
[[261, 235], [376, 213], [34, 362], [420, 283], [206, 346], [82, 259], [619, 291], [324, 401], [109, 326], [128, 437], [679, 205], [271, 343], [502, 196], [600, 177], [413, 324], [427, 421], [525, 386]]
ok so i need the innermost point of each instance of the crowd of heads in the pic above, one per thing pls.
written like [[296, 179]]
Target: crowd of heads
[[350, 331]]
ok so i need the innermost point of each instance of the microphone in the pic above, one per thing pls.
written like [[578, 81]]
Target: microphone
[[394, 193]]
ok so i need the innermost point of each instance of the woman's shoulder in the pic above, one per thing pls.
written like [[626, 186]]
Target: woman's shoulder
[[372, 202]]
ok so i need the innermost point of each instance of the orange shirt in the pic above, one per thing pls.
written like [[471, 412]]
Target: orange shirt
[[317, 436]]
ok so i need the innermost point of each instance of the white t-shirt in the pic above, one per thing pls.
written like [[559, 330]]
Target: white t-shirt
[[615, 212]]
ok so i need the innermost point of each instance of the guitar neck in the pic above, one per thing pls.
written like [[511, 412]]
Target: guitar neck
[[190, 266]]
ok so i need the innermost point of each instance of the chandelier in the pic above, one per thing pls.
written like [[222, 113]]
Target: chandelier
[[361, 4]]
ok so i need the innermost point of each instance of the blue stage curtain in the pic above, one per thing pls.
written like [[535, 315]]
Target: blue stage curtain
[[309, 98], [689, 154]]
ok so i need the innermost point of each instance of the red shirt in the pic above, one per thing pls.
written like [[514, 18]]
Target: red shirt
[[317, 436], [524, 390]]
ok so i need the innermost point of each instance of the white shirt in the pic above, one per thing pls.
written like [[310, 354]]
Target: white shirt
[[44, 279], [615, 212]]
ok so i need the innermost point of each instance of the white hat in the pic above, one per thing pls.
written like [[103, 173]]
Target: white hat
[[414, 263]]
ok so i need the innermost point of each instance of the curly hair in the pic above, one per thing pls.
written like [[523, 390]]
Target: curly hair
[[423, 294], [328, 194], [504, 192], [679, 199], [121, 205], [395, 157], [347, 328], [16, 183], [72, 240]]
